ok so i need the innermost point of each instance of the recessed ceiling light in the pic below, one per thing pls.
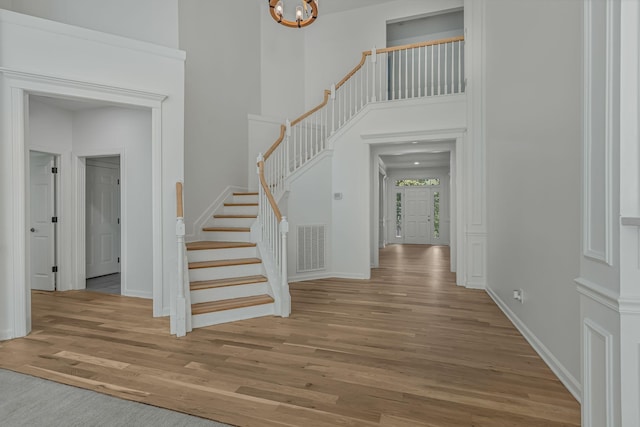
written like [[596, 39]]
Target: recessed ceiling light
[[414, 142], [416, 163]]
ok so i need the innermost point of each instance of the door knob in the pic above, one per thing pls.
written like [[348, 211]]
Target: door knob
[[33, 230]]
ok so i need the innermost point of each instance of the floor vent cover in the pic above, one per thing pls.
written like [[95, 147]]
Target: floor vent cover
[[311, 247]]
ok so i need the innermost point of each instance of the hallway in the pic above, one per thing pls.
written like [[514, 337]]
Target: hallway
[[407, 348]]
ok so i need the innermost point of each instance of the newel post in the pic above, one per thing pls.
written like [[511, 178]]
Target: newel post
[[374, 59], [286, 295], [181, 304]]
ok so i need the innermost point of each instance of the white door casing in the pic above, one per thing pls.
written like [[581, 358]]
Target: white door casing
[[42, 228], [102, 219]]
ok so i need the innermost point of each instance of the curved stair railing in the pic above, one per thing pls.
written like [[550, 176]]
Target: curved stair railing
[[418, 70]]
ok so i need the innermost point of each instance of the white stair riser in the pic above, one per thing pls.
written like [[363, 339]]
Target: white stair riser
[[240, 210], [228, 292], [233, 222], [208, 319], [220, 254], [231, 271], [245, 199], [228, 236]]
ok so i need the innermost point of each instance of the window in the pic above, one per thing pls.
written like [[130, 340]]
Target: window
[[399, 214], [417, 182]]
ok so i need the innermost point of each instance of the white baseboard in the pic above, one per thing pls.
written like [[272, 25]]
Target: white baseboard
[[138, 294], [6, 335], [317, 275], [472, 285], [569, 381]]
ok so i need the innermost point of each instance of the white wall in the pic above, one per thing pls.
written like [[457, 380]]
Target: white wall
[[533, 152], [334, 45], [309, 203], [154, 21], [400, 121], [222, 87], [128, 131]]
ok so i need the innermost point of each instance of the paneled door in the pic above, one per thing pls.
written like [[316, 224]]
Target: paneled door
[[421, 215], [417, 215], [102, 220], [42, 227]]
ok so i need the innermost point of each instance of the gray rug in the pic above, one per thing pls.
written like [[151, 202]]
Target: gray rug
[[27, 401]]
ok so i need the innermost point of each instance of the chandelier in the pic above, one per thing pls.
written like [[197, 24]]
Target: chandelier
[[306, 13]]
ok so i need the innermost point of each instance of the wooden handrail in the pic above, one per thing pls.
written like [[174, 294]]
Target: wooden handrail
[[275, 145], [180, 208], [327, 93], [267, 191]]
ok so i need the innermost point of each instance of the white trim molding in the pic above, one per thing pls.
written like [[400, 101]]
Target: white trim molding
[[18, 85], [590, 331], [570, 382], [207, 215], [590, 120]]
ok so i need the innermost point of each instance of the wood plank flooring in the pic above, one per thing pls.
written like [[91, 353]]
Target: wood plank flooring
[[407, 348]]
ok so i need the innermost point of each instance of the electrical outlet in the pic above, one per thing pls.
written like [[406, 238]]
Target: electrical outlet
[[518, 295]]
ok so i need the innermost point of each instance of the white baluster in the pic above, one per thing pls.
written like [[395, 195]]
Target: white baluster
[[333, 108], [406, 74], [453, 68], [393, 74], [432, 73], [459, 66], [374, 60], [446, 76], [413, 72], [419, 71], [439, 65]]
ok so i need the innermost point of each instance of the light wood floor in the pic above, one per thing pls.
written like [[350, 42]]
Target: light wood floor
[[407, 348]]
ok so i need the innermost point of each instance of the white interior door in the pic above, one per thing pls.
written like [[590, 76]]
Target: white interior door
[[417, 215], [42, 227], [102, 219]]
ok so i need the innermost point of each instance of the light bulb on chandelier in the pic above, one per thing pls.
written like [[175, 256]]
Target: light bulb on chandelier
[[306, 13]]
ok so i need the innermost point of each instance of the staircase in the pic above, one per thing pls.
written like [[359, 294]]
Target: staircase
[[227, 278]]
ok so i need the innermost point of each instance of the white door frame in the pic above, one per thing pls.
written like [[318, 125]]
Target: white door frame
[[459, 193], [16, 87]]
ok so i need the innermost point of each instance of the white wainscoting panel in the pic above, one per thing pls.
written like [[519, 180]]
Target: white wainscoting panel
[[598, 376]]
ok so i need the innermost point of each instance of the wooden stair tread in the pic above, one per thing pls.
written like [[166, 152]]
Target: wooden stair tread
[[245, 194], [221, 283], [234, 229], [235, 216], [224, 263], [198, 246], [241, 204], [230, 304]]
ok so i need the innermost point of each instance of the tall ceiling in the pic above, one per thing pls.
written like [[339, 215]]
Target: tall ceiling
[[333, 6]]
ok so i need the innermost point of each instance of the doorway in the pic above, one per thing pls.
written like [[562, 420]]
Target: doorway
[[43, 220], [418, 208], [102, 219]]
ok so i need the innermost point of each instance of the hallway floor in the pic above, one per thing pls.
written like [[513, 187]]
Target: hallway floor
[[406, 348]]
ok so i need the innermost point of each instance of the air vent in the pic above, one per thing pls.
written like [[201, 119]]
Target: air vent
[[311, 247]]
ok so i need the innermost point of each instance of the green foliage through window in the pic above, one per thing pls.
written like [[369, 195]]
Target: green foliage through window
[[417, 182], [436, 214], [398, 214]]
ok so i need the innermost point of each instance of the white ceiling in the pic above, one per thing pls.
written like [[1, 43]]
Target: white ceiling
[[334, 6], [407, 160]]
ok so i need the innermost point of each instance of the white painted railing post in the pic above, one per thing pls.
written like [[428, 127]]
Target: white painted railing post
[[287, 146], [333, 108], [286, 296], [374, 59], [181, 304]]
